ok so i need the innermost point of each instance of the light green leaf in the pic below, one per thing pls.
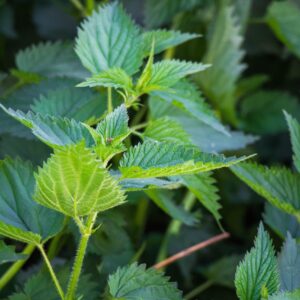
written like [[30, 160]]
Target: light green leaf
[[74, 182], [284, 19], [261, 112], [186, 96], [115, 77], [50, 60], [135, 282], [70, 102], [166, 130], [203, 187], [8, 254], [164, 39], [163, 199], [109, 39], [289, 265], [294, 128], [20, 217], [295, 295], [166, 73], [277, 185], [225, 54], [153, 159], [258, 269], [55, 132], [114, 128]]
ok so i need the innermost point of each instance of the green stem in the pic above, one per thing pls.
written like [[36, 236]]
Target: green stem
[[13, 270], [198, 290], [109, 100], [52, 273], [80, 257], [174, 227], [89, 6]]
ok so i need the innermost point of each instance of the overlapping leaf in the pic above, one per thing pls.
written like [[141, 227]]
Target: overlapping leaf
[[152, 159], [135, 282], [75, 183], [286, 296], [20, 217], [109, 39], [9, 254], [258, 270]]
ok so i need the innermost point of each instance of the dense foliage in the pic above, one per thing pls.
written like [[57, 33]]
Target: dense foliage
[[134, 135]]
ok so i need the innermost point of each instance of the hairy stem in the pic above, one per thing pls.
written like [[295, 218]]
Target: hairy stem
[[109, 100], [52, 273], [14, 269], [198, 290], [73, 282]]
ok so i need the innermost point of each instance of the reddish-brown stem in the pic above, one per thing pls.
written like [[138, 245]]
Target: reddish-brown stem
[[190, 250]]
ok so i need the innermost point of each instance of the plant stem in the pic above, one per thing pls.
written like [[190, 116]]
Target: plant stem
[[198, 290], [52, 273], [80, 257], [174, 226], [109, 100], [89, 6], [13, 270]]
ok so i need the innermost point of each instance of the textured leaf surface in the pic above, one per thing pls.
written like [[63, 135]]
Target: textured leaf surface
[[163, 199], [70, 102], [258, 269], [166, 130], [73, 182], [53, 131], [203, 187], [278, 185], [8, 254], [50, 60], [289, 265], [108, 39], [152, 159], [188, 98], [261, 112], [20, 217], [224, 53], [135, 282], [294, 128], [286, 296], [284, 20], [164, 39]]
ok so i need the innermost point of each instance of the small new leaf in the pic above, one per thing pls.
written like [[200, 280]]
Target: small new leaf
[[258, 270]]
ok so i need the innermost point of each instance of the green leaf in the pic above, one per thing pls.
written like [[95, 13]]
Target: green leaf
[[289, 265], [55, 132], [152, 159], [73, 182], [286, 296], [277, 185], [164, 39], [163, 199], [20, 217], [109, 39], [284, 19], [70, 102], [115, 77], [114, 128], [158, 13], [281, 222], [224, 53], [294, 128], [186, 96], [8, 254], [261, 112], [203, 187], [166, 130], [50, 60], [164, 74], [135, 282], [258, 269]]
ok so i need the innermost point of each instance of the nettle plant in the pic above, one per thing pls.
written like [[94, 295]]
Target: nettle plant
[[261, 274], [94, 164]]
